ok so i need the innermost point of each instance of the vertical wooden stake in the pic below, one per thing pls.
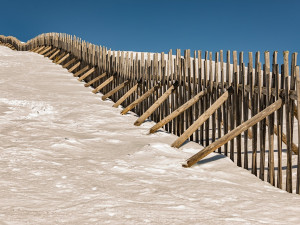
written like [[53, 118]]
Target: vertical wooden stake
[[298, 107]]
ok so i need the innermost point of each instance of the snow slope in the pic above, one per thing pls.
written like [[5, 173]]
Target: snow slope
[[67, 157]]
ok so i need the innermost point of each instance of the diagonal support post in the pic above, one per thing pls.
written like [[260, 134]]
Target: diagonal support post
[[203, 118], [232, 134]]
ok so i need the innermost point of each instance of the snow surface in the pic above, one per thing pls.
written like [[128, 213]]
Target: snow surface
[[67, 157]]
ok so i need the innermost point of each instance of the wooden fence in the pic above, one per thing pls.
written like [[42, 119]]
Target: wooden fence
[[244, 110]]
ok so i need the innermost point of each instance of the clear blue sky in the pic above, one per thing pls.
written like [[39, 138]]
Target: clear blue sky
[[160, 25]]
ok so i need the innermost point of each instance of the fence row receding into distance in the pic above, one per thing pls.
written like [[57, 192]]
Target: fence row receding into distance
[[247, 111]]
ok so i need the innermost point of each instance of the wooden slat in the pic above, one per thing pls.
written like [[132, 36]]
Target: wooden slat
[[238, 104], [74, 67], [69, 63], [45, 50], [232, 134], [188, 93], [51, 52], [95, 80], [289, 187], [214, 95], [88, 73], [298, 107], [177, 112], [54, 54], [168, 80], [113, 91], [292, 88], [197, 89], [140, 99], [246, 107], [230, 106], [278, 129], [202, 119], [32, 50], [157, 103], [262, 126], [63, 59], [101, 86], [226, 104], [291, 104], [207, 98], [126, 95], [254, 104], [78, 73], [270, 83], [200, 88], [39, 49], [59, 57], [217, 95]]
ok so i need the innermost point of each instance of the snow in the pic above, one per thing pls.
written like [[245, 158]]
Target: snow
[[67, 157]]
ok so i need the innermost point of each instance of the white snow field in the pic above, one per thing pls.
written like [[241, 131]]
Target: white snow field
[[67, 157]]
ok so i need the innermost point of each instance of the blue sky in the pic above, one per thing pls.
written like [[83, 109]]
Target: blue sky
[[160, 25]]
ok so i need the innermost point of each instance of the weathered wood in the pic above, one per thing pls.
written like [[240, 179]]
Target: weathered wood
[[197, 89], [179, 97], [207, 98], [155, 105], [95, 80], [282, 137], [155, 79], [232, 134], [231, 106], [188, 94], [59, 57], [54, 54], [201, 86], [262, 127], [213, 95], [279, 114], [39, 49], [126, 95], [45, 50], [217, 95], [101, 86], [78, 73], [292, 88], [139, 90], [31, 50], [247, 133], [270, 100], [238, 100], [226, 105], [51, 52], [164, 79], [291, 102], [63, 59], [74, 67], [255, 101], [88, 73], [140, 99], [289, 187], [202, 119], [113, 91], [177, 112], [69, 63], [298, 107]]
